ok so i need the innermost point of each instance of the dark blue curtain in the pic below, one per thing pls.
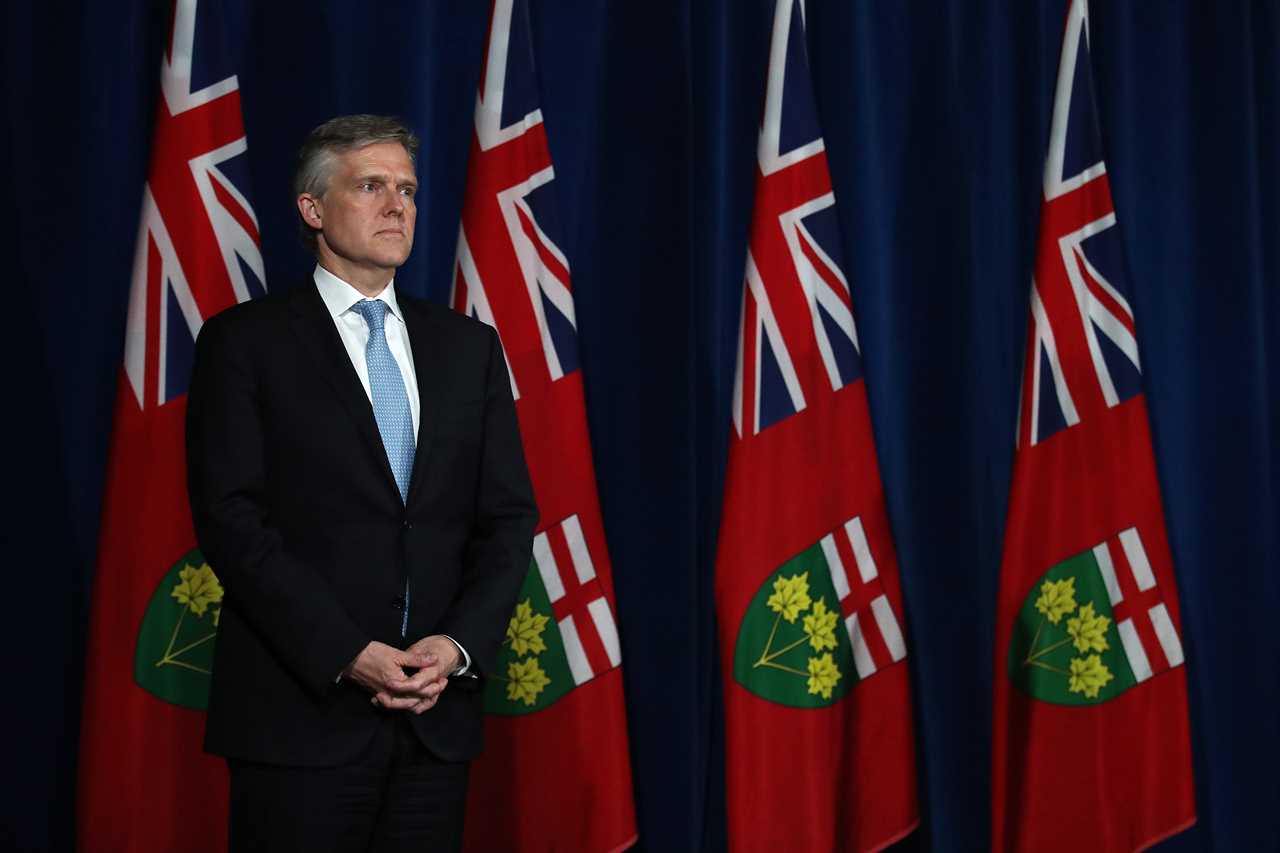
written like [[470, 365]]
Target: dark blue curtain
[[936, 121]]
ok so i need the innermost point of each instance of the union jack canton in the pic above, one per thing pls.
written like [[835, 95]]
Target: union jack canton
[[798, 337], [509, 156], [197, 250], [1082, 350]]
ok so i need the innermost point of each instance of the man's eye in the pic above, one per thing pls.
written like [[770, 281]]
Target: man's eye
[[409, 191], [368, 187]]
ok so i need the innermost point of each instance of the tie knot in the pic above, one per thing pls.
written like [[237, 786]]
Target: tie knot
[[374, 312]]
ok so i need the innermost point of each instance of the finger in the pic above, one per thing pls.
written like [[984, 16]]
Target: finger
[[415, 661], [397, 703], [393, 680], [430, 695], [430, 690], [386, 700], [403, 693], [418, 681], [399, 678]]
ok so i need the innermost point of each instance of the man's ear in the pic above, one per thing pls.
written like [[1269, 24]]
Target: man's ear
[[311, 209]]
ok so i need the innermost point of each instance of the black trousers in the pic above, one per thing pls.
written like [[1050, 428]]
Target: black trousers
[[395, 797]]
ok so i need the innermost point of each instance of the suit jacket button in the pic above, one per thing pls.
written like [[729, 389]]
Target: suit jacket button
[[408, 525], [398, 602]]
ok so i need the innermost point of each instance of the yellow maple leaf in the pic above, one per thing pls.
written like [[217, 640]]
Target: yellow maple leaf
[[823, 675], [1089, 675], [820, 626], [790, 596], [525, 680], [1057, 598], [198, 588], [524, 631], [1088, 630]]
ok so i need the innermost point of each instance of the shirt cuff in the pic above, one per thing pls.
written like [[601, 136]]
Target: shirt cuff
[[465, 669]]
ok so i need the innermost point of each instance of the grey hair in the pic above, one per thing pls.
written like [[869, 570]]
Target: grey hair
[[337, 135]]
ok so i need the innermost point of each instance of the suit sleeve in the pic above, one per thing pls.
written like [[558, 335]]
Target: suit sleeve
[[282, 599], [498, 551]]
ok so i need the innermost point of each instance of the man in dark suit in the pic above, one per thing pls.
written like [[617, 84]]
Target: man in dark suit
[[358, 485]]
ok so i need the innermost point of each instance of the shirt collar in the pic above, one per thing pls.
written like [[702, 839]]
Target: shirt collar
[[339, 296]]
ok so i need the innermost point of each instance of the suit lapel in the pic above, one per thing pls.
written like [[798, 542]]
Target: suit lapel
[[315, 329], [428, 366]]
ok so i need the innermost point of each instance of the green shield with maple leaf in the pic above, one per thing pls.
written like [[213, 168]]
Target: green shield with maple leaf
[[1065, 647], [792, 648], [532, 669], [174, 654]]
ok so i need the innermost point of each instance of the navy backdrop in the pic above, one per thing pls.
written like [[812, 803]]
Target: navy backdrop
[[936, 120]]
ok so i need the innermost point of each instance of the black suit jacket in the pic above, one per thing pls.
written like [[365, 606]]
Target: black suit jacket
[[298, 513]]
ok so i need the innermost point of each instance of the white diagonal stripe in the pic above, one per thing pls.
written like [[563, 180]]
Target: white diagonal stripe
[[1132, 544], [1166, 634], [861, 550], [777, 343], [1102, 555], [737, 371], [578, 663], [1094, 315], [862, 660], [815, 288], [489, 129], [608, 630], [771, 125], [175, 70], [478, 299], [234, 240], [839, 578], [889, 628], [1056, 183], [555, 290], [528, 259], [582, 564], [1088, 231], [1133, 650], [546, 563], [1044, 337]]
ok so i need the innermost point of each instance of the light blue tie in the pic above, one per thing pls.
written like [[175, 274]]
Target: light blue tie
[[390, 407]]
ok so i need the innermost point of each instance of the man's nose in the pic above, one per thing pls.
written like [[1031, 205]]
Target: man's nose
[[395, 204]]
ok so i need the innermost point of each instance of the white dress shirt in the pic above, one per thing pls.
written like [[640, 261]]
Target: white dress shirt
[[340, 297]]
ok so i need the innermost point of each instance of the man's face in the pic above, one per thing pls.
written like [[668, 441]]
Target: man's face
[[367, 213]]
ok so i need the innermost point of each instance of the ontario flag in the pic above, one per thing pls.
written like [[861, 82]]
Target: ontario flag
[[144, 782], [1091, 741], [818, 722], [556, 773]]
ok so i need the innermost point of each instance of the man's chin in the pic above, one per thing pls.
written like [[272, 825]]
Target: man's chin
[[394, 259]]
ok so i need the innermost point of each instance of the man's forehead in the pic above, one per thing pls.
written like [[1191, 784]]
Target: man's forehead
[[379, 157]]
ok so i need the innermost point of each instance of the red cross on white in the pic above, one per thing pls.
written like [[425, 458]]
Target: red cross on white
[[586, 621], [1147, 633], [874, 631]]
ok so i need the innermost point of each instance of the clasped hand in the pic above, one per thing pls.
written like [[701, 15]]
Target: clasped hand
[[381, 669]]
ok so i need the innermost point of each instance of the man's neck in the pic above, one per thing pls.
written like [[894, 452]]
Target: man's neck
[[370, 282]]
